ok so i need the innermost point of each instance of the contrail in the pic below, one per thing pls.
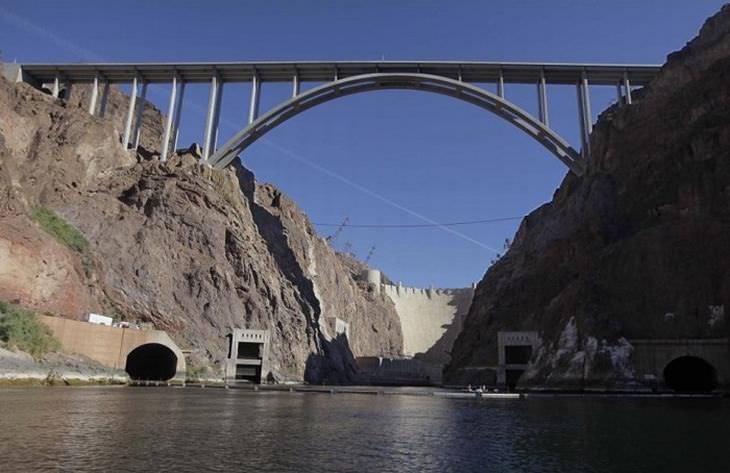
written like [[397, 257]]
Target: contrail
[[91, 56], [37, 30], [298, 157]]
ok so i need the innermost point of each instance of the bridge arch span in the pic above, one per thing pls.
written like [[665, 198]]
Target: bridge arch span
[[506, 110]]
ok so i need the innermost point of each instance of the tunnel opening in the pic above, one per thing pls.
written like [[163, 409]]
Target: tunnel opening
[[151, 361], [249, 350], [512, 377], [250, 373], [690, 374], [517, 354]]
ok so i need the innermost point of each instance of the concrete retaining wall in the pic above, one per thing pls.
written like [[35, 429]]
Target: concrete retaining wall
[[652, 356], [109, 345], [410, 372]]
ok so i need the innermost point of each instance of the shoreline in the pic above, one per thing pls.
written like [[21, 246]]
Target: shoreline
[[437, 392], [61, 381]]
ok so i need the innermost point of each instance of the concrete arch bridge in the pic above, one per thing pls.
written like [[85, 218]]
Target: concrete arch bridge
[[461, 80]]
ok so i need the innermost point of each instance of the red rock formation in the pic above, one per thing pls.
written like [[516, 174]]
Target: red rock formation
[[180, 245]]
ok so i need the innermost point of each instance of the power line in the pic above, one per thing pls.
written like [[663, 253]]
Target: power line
[[341, 227], [418, 225]]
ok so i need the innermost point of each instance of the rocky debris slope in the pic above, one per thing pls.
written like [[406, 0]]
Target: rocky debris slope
[[194, 251], [637, 248], [19, 368]]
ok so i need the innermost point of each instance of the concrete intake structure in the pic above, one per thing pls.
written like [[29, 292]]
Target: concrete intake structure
[[514, 352], [143, 354], [248, 356]]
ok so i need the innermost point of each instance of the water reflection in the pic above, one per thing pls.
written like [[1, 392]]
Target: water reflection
[[190, 430]]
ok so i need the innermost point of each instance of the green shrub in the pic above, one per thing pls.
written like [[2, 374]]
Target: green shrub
[[196, 371], [62, 231], [21, 329]]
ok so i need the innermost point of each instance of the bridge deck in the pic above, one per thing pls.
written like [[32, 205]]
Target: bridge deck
[[315, 71]]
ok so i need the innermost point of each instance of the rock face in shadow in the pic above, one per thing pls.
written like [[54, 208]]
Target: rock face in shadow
[[637, 248], [191, 250]]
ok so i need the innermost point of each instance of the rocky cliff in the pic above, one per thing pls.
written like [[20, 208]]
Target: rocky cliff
[[194, 251], [636, 248]]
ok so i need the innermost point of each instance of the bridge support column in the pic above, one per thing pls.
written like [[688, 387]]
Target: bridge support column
[[68, 84], [130, 114], [542, 100], [253, 110], [581, 121], [295, 85], [216, 127], [619, 95], [500, 85], [587, 116], [627, 88], [211, 120], [584, 112], [94, 95], [56, 87], [104, 98], [169, 119], [178, 115], [139, 115]]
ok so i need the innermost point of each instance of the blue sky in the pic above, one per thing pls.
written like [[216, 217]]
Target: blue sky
[[358, 156]]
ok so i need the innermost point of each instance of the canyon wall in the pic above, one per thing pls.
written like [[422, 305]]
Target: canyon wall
[[637, 248], [192, 250]]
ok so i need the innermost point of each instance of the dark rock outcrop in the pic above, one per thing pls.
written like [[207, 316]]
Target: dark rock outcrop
[[637, 248]]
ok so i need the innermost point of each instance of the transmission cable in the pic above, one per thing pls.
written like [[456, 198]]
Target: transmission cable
[[418, 225]]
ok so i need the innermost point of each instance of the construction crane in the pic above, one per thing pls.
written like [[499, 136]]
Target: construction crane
[[333, 237], [370, 254]]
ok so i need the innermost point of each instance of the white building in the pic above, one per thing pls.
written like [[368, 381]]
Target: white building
[[99, 319]]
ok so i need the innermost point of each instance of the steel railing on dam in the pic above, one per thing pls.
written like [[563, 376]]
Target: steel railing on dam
[[463, 80]]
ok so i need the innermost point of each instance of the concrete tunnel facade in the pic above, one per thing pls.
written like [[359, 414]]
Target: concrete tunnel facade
[[143, 354]]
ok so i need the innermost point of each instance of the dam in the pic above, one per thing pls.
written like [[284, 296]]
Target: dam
[[431, 319]]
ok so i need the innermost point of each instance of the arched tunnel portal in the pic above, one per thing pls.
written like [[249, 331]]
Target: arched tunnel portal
[[151, 361], [690, 374]]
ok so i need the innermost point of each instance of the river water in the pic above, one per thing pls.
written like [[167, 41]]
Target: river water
[[191, 430]]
